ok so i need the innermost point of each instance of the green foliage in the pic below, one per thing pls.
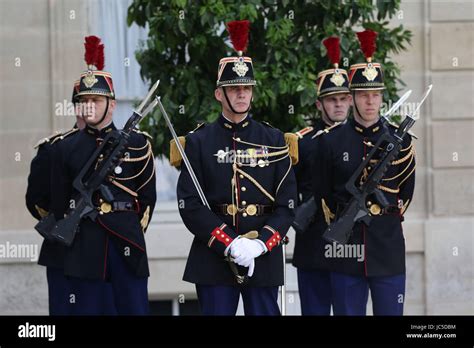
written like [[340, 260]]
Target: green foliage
[[187, 39]]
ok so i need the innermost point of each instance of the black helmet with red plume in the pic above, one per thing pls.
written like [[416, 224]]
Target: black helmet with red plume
[[237, 70], [95, 81], [368, 75], [332, 81]]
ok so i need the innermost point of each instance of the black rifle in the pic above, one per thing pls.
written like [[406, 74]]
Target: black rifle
[[356, 210], [91, 178], [304, 215]]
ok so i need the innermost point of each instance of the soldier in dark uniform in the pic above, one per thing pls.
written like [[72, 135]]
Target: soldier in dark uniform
[[111, 248], [245, 170], [38, 200], [333, 102], [375, 258]]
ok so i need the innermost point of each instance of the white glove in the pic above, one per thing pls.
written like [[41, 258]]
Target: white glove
[[231, 245], [244, 251]]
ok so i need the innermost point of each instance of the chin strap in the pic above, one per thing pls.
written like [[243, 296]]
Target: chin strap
[[325, 112], [230, 105], [355, 106], [103, 116]]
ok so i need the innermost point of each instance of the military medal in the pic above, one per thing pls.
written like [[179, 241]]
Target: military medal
[[221, 154]]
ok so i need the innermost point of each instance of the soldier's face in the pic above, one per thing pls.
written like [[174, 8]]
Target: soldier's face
[[368, 104], [239, 97], [92, 108], [336, 106]]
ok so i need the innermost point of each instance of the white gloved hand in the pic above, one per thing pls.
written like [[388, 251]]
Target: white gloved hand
[[251, 268], [244, 251], [232, 245]]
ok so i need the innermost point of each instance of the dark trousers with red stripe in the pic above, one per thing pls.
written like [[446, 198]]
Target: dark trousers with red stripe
[[314, 287], [224, 300], [350, 294], [129, 292]]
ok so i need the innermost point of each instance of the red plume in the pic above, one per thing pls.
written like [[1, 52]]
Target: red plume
[[367, 42], [99, 63], [94, 52], [239, 34], [334, 51]]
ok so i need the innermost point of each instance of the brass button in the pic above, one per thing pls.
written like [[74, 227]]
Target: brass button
[[244, 203], [244, 214], [251, 209], [231, 209], [105, 207], [375, 209], [237, 139], [241, 176], [244, 188]]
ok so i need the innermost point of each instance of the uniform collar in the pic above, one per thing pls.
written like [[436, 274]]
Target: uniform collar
[[367, 131], [100, 133], [234, 127], [320, 124]]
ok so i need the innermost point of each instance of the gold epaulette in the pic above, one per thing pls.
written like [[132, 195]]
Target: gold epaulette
[[200, 125], [302, 132], [143, 133], [175, 156], [65, 135], [56, 137], [48, 139], [291, 140], [327, 130], [267, 124], [397, 126]]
